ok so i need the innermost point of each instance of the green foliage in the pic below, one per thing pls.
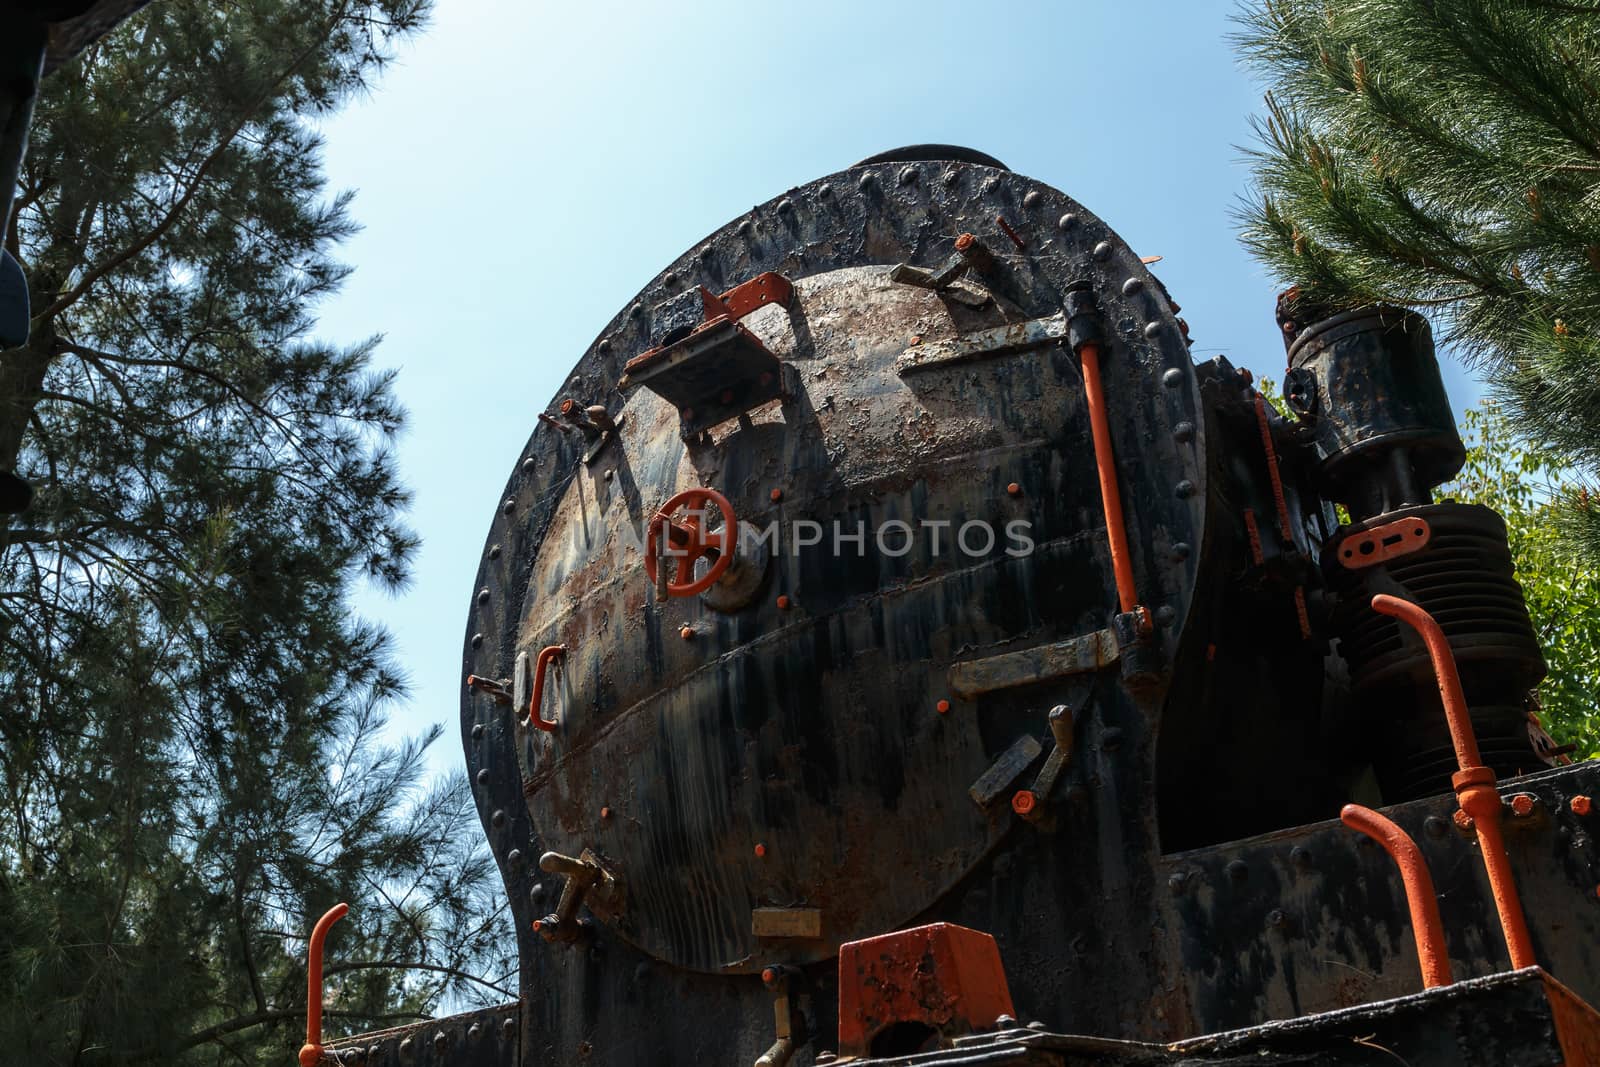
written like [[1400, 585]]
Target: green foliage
[[1563, 591], [1444, 154], [189, 750]]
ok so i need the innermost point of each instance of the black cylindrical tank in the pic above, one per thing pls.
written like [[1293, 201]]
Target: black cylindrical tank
[[1367, 384]]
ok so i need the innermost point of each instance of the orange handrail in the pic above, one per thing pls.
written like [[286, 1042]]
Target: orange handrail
[[1106, 464], [1473, 783], [1421, 898], [311, 1051], [536, 717]]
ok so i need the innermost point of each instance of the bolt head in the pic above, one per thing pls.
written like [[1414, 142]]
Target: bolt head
[[441, 1041], [483, 596], [1014, 489], [761, 851], [498, 818], [1067, 221], [1238, 870], [1032, 199], [1463, 821], [605, 812], [1152, 330], [1102, 251], [1522, 805], [776, 495], [1004, 1021], [783, 603], [1581, 805], [483, 776], [474, 1031], [943, 707], [1172, 378], [687, 633], [508, 1027], [1024, 801], [1132, 287]]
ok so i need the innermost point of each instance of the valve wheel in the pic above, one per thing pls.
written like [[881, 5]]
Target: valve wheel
[[689, 541]]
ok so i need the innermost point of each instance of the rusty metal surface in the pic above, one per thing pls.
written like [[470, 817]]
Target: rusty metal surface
[[858, 445]]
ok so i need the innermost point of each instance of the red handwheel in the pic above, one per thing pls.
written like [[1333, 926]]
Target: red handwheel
[[689, 541]]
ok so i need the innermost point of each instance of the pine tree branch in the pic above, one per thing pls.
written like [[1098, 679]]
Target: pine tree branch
[[95, 273], [246, 1022], [413, 965]]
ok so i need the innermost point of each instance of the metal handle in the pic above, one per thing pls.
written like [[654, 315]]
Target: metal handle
[[536, 717], [311, 1052]]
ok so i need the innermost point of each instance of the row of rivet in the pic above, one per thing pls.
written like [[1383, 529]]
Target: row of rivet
[[407, 1046]]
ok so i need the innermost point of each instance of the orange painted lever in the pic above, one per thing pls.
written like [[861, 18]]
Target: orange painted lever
[[536, 717], [1474, 783], [311, 1052], [1426, 926]]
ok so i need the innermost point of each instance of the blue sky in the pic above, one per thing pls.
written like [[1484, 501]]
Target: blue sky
[[524, 168]]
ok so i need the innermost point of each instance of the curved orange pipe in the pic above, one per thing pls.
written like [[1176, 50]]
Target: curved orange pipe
[[1444, 671], [1474, 783], [311, 1051], [536, 717], [1106, 464], [1421, 898]]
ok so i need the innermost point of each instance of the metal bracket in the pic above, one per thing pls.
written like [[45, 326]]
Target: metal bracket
[[1077, 655], [1382, 543], [704, 362], [983, 344]]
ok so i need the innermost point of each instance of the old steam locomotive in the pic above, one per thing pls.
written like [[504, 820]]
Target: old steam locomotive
[[894, 648]]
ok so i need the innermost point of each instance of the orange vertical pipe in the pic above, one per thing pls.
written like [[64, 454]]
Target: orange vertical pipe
[[311, 1051], [1421, 898], [1105, 462], [1474, 783]]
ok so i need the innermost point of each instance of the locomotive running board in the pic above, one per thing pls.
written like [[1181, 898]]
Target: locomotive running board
[[1514, 1017]]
